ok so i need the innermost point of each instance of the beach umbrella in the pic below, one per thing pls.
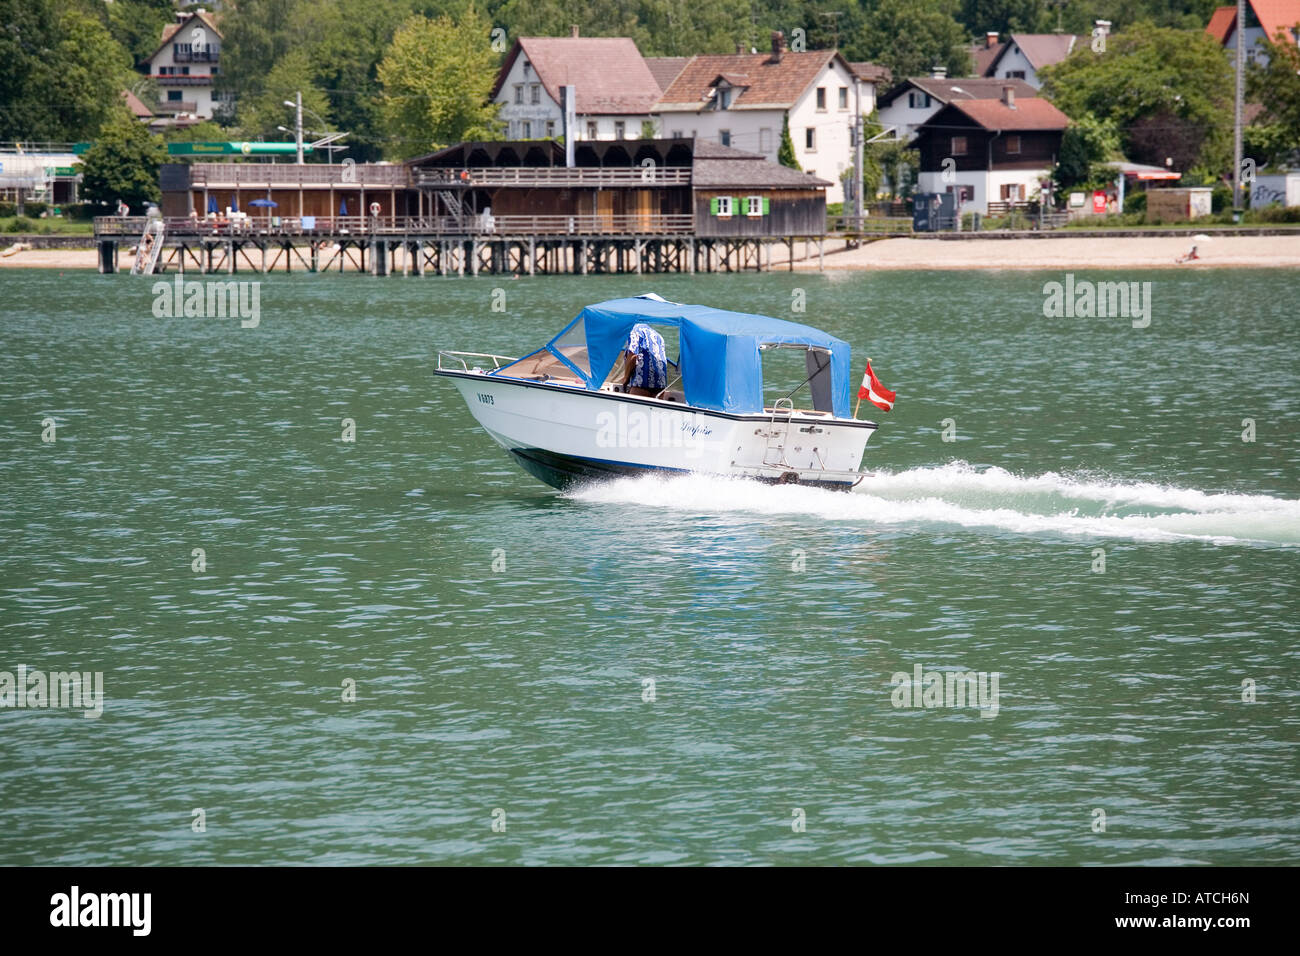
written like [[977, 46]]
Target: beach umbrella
[[212, 204], [343, 207], [263, 202], [234, 204]]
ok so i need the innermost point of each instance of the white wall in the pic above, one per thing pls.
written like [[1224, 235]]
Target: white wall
[[832, 152], [987, 185], [755, 131], [1014, 59], [906, 118]]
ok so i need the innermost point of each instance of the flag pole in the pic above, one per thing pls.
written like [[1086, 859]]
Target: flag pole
[[859, 404]]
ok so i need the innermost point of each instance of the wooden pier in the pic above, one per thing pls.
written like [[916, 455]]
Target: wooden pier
[[442, 246]]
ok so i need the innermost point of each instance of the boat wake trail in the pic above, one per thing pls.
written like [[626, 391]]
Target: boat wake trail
[[957, 494]]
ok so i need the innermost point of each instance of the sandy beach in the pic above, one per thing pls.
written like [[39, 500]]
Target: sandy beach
[[1120, 252]]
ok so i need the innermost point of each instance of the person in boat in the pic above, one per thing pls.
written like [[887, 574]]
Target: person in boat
[[646, 361]]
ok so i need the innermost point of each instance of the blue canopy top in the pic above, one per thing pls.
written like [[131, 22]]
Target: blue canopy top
[[721, 360]]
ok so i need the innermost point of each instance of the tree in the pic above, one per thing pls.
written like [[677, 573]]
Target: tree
[[1087, 145], [123, 162], [912, 36], [785, 156], [61, 71], [1277, 88], [138, 24], [1167, 92], [437, 75], [292, 73]]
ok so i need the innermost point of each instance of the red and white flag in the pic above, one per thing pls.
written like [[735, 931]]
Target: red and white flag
[[874, 392]]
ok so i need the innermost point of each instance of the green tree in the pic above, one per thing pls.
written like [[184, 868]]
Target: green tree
[[1277, 88], [1168, 93], [138, 24], [292, 73], [61, 71], [912, 36], [123, 162], [436, 76], [1088, 144], [785, 156]]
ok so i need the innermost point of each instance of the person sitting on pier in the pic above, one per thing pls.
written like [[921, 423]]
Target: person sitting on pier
[[646, 361]]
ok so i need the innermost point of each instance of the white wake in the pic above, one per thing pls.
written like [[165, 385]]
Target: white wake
[[958, 494]]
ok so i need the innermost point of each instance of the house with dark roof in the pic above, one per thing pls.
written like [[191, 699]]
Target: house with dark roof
[[913, 101], [990, 150], [615, 90], [743, 100], [1024, 55], [185, 66], [1264, 19]]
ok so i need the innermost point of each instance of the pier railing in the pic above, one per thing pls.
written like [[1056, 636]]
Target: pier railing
[[254, 175], [256, 224], [868, 225]]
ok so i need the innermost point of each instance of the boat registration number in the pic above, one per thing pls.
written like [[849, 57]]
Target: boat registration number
[[486, 399]]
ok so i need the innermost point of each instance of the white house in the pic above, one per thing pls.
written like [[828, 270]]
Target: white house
[[913, 101], [615, 89], [1025, 54], [185, 65], [743, 99], [1263, 19]]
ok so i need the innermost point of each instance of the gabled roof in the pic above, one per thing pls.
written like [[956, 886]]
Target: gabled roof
[[665, 68], [172, 29], [609, 72], [1029, 114], [983, 56], [871, 72], [1222, 22], [716, 165], [1040, 49], [1273, 15], [772, 83], [136, 106], [961, 88]]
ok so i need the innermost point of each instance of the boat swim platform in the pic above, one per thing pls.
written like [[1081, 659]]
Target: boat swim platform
[[359, 245]]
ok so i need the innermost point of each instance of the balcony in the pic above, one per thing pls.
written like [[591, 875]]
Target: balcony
[[346, 176], [167, 107], [556, 177], [195, 79], [191, 53]]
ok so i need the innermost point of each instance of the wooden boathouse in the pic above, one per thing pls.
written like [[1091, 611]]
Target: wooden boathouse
[[629, 206]]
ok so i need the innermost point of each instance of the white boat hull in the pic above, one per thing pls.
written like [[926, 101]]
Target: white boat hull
[[563, 434]]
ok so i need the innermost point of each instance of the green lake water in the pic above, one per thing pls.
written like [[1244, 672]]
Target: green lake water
[[502, 635]]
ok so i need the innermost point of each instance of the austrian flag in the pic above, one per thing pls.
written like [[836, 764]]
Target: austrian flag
[[874, 392]]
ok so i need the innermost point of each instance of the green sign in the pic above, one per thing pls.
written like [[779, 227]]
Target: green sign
[[234, 149]]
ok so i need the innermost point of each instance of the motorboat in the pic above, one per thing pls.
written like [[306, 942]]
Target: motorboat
[[565, 415]]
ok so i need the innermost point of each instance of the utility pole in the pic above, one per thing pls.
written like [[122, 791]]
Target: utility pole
[[300, 127], [859, 134], [1238, 107]]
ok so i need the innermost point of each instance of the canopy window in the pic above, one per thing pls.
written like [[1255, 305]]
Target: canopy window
[[719, 352]]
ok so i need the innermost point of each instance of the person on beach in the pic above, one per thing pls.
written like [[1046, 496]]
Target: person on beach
[[1188, 257], [646, 362]]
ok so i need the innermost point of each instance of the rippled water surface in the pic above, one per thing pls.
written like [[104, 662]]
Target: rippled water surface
[[501, 635]]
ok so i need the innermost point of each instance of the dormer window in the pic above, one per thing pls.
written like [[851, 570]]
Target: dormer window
[[723, 99]]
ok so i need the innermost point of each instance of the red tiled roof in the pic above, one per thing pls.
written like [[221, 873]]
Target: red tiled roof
[[609, 72], [665, 68], [1273, 15], [983, 57], [1030, 113], [771, 82], [1222, 21], [136, 106]]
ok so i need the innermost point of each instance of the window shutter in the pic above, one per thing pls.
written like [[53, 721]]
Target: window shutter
[[767, 206], [713, 206]]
